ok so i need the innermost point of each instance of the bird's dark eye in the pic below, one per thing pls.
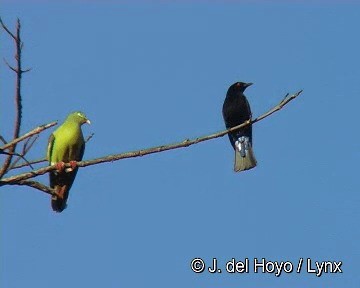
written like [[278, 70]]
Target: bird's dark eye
[[238, 84]]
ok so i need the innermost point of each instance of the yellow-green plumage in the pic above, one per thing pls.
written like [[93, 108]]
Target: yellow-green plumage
[[66, 144]]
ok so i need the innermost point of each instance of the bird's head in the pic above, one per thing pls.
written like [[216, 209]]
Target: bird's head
[[79, 117], [239, 87]]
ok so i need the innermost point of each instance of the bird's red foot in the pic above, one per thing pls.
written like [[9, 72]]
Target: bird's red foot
[[73, 164], [60, 166]]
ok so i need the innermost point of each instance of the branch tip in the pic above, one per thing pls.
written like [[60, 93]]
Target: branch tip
[[7, 29]]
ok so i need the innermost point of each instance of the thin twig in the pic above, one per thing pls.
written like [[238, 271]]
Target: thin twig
[[3, 139], [29, 163], [10, 67], [25, 150], [138, 153], [25, 145], [36, 185], [35, 131], [17, 154], [6, 29], [89, 137], [28, 146]]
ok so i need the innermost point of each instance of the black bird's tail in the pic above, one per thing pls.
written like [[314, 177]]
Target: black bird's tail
[[244, 163], [58, 203], [244, 155]]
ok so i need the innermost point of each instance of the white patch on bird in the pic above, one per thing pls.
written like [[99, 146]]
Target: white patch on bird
[[238, 145], [243, 145]]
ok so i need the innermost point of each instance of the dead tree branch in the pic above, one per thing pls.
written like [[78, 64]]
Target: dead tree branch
[[18, 106], [89, 137], [7, 30], [35, 185], [29, 163], [2, 139], [35, 131], [25, 150], [186, 143], [19, 157]]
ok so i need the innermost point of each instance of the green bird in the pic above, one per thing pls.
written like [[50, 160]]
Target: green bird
[[66, 145]]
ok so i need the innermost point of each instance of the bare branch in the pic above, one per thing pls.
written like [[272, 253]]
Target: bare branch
[[28, 175], [25, 144], [89, 137], [6, 29], [10, 67], [35, 131], [28, 164], [25, 150], [28, 146], [26, 70], [138, 153], [18, 100], [17, 154], [278, 107], [18, 105], [3, 139], [36, 185]]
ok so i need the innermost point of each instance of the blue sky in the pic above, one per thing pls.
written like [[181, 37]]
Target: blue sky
[[155, 73]]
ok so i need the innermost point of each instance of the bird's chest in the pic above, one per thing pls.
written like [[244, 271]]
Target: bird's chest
[[67, 145], [71, 137], [235, 112]]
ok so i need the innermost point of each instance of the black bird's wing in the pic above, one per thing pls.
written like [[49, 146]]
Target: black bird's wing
[[236, 112]]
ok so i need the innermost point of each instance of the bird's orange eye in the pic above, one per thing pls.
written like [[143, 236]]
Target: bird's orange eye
[[237, 84]]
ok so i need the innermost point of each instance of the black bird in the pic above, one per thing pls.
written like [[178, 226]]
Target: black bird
[[236, 110]]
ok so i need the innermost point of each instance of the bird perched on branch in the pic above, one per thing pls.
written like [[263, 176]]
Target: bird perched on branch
[[66, 145], [236, 110]]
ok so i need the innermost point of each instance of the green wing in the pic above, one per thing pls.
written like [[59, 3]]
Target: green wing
[[50, 147]]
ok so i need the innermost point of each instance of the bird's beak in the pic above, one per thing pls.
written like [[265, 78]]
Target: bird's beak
[[88, 121], [248, 84]]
